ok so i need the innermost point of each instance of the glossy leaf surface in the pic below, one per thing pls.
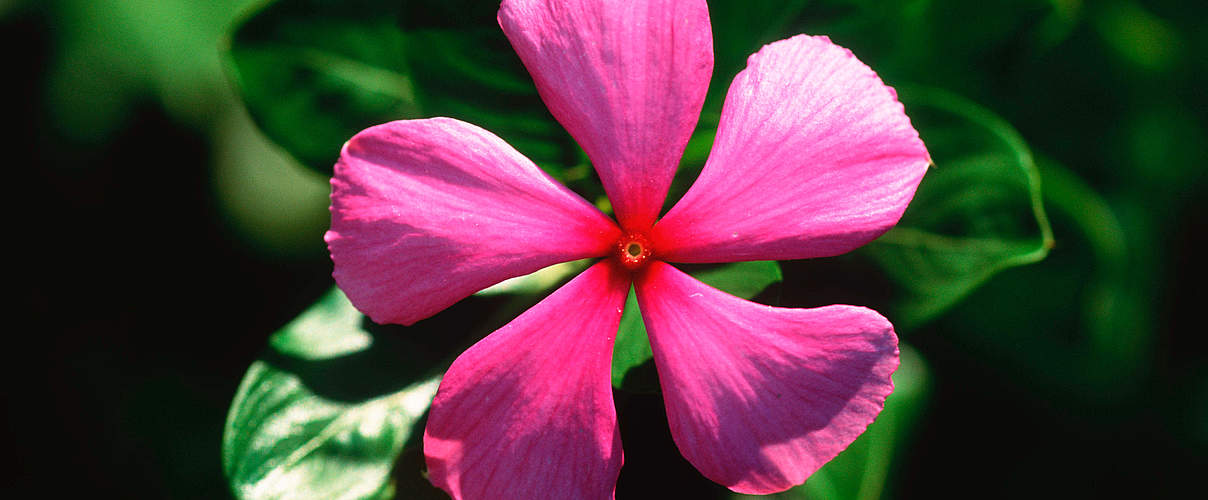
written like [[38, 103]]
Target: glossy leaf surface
[[288, 438], [315, 72]]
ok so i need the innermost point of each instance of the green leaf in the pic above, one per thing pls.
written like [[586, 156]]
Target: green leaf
[[632, 368], [632, 350], [326, 411], [978, 210], [743, 279], [315, 72], [538, 281], [471, 73], [284, 439], [863, 469]]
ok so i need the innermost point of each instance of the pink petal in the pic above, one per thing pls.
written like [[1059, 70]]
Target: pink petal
[[527, 412], [427, 212], [626, 78], [813, 157], [760, 397]]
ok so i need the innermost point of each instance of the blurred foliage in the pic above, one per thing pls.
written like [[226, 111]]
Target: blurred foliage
[[7, 5], [977, 211], [1089, 335], [274, 206], [115, 51]]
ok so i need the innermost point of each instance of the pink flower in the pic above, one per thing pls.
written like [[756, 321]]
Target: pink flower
[[813, 157]]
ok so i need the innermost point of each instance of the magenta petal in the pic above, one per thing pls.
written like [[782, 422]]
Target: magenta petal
[[760, 397], [527, 412], [814, 157], [626, 78], [427, 212]]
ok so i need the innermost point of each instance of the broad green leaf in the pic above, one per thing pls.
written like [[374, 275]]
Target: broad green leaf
[[862, 470], [978, 210], [315, 72], [327, 410], [632, 367], [284, 439]]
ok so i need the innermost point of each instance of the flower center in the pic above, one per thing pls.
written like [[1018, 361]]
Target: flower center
[[633, 250]]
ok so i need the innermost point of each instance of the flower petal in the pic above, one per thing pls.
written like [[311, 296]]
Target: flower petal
[[527, 412], [814, 157], [626, 79], [426, 212], [759, 397]]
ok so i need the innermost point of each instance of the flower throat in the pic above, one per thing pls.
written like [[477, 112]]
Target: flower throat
[[633, 251]]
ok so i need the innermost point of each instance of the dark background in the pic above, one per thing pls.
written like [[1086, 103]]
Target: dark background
[[159, 239]]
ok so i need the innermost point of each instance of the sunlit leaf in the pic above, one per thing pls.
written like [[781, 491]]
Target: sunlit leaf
[[632, 368], [283, 439], [978, 210], [539, 281], [861, 471], [327, 410]]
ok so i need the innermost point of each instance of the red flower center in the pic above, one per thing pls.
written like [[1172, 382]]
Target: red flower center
[[633, 250]]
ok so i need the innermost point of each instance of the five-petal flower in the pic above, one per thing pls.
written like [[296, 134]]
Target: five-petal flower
[[813, 157]]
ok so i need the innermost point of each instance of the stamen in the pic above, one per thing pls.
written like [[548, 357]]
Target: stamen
[[633, 250]]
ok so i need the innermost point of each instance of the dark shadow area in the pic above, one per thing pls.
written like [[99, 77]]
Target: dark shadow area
[[851, 279], [653, 466], [642, 379]]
